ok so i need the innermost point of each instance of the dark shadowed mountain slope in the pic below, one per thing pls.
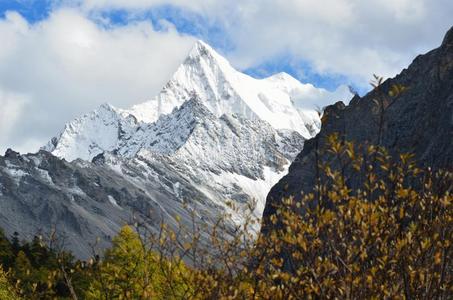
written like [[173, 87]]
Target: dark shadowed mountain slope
[[420, 121]]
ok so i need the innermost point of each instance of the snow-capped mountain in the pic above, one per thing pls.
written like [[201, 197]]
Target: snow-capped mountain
[[212, 136], [232, 126], [225, 91], [280, 100]]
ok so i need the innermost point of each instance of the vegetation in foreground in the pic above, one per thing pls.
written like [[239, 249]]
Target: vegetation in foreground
[[388, 235]]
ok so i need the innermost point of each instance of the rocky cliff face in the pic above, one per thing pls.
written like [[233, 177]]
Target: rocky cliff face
[[420, 121]]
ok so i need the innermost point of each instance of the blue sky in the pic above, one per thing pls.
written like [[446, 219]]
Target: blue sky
[[33, 11], [62, 58]]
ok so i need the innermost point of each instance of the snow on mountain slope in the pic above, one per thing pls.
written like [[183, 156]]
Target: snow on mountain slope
[[195, 134], [281, 100], [227, 157], [93, 133], [211, 136], [224, 91]]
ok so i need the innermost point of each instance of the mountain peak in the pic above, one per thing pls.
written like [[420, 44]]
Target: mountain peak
[[106, 106], [202, 44], [202, 50], [202, 47], [283, 77]]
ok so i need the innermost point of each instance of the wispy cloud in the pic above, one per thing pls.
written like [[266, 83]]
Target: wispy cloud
[[333, 38]]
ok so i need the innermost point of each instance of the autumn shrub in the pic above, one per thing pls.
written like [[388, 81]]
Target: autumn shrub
[[376, 226], [7, 291], [390, 236]]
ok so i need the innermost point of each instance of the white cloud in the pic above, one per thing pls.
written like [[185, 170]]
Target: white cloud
[[351, 37], [311, 97], [67, 65], [355, 38], [11, 105]]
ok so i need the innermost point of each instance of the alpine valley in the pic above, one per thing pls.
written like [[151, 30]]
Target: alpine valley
[[212, 139]]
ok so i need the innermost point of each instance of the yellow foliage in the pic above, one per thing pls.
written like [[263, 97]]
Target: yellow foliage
[[6, 290], [387, 237]]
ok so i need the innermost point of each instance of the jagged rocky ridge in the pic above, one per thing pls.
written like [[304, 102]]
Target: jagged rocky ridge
[[157, 176], [420, 122], [211, 136]]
